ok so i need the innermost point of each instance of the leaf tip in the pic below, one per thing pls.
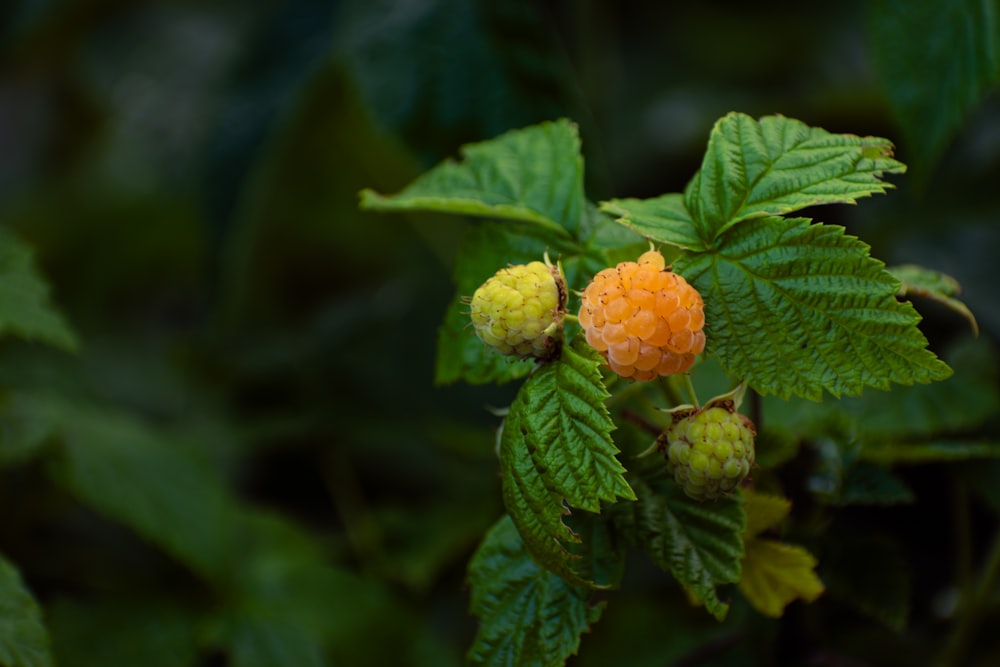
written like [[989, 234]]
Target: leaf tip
[[369, 200]]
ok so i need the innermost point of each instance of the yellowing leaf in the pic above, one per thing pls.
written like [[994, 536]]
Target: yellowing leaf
[[763, 511], [775, 574]]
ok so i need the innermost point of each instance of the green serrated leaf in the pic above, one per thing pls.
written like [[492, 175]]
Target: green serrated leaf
[[532, 175], [528, 616], [935, 81], [775, 574], [535, 509], [25, 308], [24, 641], [701, 544], [778, 165], [567, 429], [933, 285], [556, 448], [958, 404], [795, 308], [664, 219]]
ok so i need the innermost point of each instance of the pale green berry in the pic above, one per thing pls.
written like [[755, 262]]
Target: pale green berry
[[710, 451]]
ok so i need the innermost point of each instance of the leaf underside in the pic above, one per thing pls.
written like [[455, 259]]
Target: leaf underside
[[934, 285], [701, 544]]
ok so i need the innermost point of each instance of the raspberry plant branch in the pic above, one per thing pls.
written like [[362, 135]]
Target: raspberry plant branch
[[786, 306]]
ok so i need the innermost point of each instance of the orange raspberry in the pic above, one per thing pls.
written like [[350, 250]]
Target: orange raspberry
[[644, 319]]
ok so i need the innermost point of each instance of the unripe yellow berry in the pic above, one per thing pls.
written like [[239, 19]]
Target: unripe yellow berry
[[519, 311]]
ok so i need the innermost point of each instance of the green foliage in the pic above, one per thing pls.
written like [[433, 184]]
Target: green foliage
[[792, 307], [665, 219], [934, 82], [28, 421], [956, 405], [556, 448], [129, 474], [778, 165], [25, 308], [869, 573], [533, 175], [700, 544], [914, 424], [924, 282], [529, 616], [133, 632], [796, 308], [24, 641]]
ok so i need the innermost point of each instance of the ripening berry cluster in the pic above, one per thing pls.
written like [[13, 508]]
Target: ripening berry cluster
[[519, 310], [710, 451], [647, 321]]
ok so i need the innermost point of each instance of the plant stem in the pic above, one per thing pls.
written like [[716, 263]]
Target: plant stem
[[669, 391], [620, 396], [360, 529], [689, 387], [974, 606], [963, 540], [756, 410], [569, 317]]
